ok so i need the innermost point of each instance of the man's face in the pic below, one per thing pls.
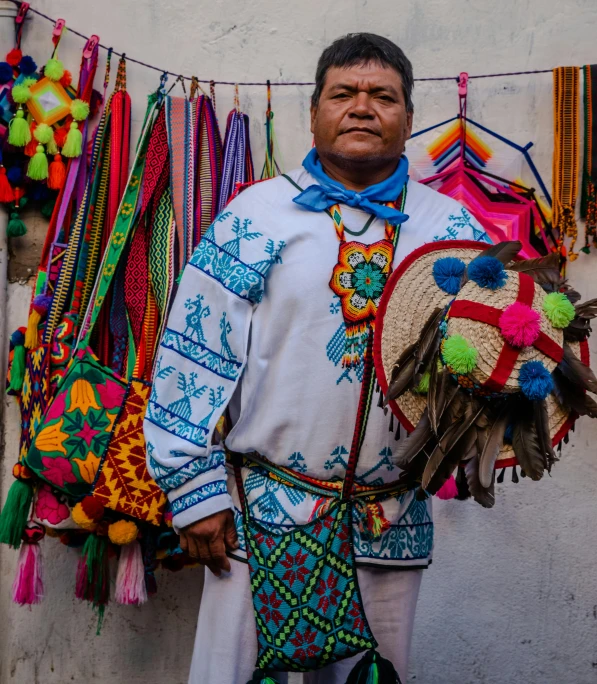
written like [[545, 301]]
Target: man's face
[[361, 116]]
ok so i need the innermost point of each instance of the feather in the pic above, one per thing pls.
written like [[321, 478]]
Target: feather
[[493, 442], [526, 442], [576, 371], [587, 309], [578, 330], [435, 384], [462, 485], [572, 397], [570, 292], [544, 270], [503, 251], [416, 441], [403, 380], [429, 339], [482, 495], [542, 424], [446, 456]]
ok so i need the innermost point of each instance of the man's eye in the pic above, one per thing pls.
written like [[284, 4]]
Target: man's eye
[[340, 95], [386, 98]]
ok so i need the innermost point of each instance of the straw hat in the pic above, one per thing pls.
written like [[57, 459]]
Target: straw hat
[[481, 351]]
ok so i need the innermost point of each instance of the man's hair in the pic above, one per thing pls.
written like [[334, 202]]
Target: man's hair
[[362, 48]]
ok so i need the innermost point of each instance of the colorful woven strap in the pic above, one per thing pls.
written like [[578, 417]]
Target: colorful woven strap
[[208, 144], [237, 162], [588, 197], [566, 153]]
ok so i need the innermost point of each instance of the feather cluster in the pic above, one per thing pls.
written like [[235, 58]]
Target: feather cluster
[[461, 432]]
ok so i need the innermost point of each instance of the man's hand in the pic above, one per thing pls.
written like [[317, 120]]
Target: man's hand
[[208, 539]]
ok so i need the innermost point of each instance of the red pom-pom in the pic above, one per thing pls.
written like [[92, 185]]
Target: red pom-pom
[[520, 325], [60, 135], [449, 490], [67, 79], [14, 57], [93, 508], [34, 533], [6, 191]]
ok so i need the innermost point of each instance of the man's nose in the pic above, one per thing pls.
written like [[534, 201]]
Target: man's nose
[[361, 106]]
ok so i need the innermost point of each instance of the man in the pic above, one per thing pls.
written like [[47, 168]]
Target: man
[[272, 321]]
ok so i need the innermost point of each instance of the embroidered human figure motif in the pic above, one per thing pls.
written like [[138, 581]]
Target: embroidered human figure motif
[[182, 407], [194, 327], [226, 329]]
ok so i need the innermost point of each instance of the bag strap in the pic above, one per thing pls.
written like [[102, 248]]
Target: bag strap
[[125, 220]]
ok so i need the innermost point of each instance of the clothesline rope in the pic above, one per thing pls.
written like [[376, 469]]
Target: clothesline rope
[[265, 83]]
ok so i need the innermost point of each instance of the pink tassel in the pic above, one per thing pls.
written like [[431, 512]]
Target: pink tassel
[[449, 490], [28, 587], [130, 579]]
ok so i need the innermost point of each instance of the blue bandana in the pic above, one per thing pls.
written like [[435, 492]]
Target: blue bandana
[[329, 192]]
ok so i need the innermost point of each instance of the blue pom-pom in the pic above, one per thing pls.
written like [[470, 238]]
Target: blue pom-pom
[[27, 65], [447, 273], [487, 272], [39, 192], [5, 72], [15, 174], [535, 381], [17, 338]]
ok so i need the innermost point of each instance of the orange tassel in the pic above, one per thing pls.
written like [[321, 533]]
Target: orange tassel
[[60, 134], [31, 147], [6, 191], [56, 173]]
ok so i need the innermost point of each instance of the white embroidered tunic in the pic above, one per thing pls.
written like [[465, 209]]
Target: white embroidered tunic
[[256, 327]]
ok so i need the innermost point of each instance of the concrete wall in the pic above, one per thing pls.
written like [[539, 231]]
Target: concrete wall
[[512, 594]]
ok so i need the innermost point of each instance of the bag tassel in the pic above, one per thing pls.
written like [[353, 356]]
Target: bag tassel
[[19, 133], [56, 173], [6, 191], [373, 669], [14, 515], [17, 366], [130, 578], [39, 309], [74, 142], [28, 587], [93, 575], [38, 165], [260, 677], [16, 227], [448, 490]]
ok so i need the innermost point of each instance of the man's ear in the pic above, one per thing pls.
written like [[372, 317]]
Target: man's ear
[[313, 117], [409, 125]]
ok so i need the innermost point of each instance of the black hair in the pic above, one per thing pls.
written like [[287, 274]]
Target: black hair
[[361, 48]]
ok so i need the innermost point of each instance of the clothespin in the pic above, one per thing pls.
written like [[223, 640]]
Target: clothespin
[[194, 87], [462, 84], [57, 31], [184, 88], [462, 94], [92, 43], [22, 13]]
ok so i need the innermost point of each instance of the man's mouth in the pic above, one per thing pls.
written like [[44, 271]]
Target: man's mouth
[[356, 129]]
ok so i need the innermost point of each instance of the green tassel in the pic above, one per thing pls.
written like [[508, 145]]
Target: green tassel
[[15, 227], [74, 142], [19, 133], [93, 575], [14, 515], [373, 669], [38, 165], [260, 677], [17, 368], [47, 208]]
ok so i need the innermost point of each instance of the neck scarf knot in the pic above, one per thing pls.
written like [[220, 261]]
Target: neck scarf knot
[[372, 199]]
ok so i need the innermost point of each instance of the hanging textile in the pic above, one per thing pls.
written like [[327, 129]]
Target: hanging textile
[[588, 198], [270, 165], [208, 165], [238, 162], [566, 158]]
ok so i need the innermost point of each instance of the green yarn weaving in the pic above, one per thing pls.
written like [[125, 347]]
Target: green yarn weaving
[[459, 354], [559, 309], [14, 515]]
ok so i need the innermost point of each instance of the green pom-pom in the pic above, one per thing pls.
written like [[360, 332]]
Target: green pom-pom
[[19, 133], [47, 208], [52, 147], [15, 513], [559, 309], [79, 110], [38, 165], [17, 368], [21, 93], [43, 133], [423, 386], [54, 69], [15, 228], [459, 355], [74, 142]]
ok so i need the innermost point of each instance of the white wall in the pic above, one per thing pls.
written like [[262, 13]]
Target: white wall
[[512, 594]]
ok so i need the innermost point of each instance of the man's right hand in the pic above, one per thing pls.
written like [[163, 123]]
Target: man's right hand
[[208, 539]]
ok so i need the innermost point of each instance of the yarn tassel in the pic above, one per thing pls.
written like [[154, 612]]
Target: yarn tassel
[[28, 587], [130, 579], [373, 669], [448, 490], [14, 515], [39, 309], [17, 368], [31, 146], [260, 677], [6, 191], [19, 133], [74, 142], [38, 166], [56, 173], [16, 227], [93, 575]]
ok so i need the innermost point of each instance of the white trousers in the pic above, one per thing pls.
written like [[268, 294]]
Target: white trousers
[[226, 643]]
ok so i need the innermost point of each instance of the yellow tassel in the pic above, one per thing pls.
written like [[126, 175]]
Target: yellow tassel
[[32, 334]]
